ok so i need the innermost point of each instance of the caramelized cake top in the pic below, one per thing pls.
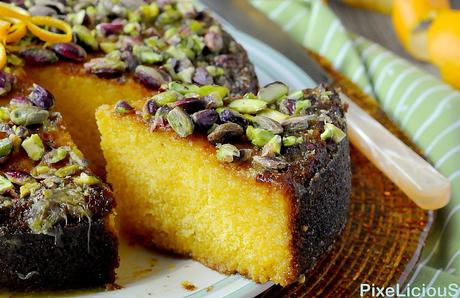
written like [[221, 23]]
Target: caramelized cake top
[[44, 179], [155, 41], [269, 132]]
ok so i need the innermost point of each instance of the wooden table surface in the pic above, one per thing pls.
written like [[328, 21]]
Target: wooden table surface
[[376, 27]]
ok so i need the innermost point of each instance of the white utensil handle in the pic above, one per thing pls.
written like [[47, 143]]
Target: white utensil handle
[[411, 173]]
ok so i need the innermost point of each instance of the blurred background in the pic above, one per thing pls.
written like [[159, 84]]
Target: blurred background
[[426, 32]]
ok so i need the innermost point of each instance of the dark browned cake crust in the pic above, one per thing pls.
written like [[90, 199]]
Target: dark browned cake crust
[[83, 256], [319, 209]]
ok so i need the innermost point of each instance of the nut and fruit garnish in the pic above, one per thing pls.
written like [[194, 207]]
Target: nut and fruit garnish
[[258, 128], [155, 42]]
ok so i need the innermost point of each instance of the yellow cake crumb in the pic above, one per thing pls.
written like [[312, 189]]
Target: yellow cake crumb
[[173, 192]]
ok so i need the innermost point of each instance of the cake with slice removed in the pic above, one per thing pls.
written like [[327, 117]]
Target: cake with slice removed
[[257, 185], [55, 214]]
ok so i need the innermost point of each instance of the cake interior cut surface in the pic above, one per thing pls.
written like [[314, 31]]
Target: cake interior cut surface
[[257, 185]]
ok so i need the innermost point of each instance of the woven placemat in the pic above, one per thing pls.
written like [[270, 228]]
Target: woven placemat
[[385, 231]]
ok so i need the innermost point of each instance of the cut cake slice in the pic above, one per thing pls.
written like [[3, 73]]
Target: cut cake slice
[[55, 214], [257, 185]]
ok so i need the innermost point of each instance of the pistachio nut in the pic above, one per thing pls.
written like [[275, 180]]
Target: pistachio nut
[[41, 97], [55, 155], [290, 141], [332, 132], [301, 106], [34, 147], [206, 90], [259, 136], [248, 106], [150, 77], [4, 114], [28, 115], [268, 124], [213, 100], [269, 163], [122, 107], [38, 56], [69, 51], [299, 123], [272, 92], [5, 184], [166, 97], [85, 37], [273, 114], [85, 179], [180, 122], [228, 115], [66, 171], [272, 147], [225, 132], [245, 154], [205, 119], [227, 153], [19, 177], [6, 146], [297, 95], [28, 189]]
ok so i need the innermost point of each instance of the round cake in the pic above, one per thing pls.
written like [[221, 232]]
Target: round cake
[[202, 162]]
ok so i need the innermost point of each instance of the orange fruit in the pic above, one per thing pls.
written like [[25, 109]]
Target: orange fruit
[[444, 45], [411, 19]]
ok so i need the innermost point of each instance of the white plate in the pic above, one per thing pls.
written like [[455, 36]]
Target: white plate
[[145, 273]]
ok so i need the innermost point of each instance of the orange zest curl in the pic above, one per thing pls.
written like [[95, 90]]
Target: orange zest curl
[[15, 21]]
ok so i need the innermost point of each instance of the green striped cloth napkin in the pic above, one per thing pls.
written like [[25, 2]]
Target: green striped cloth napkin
[[424, 107]]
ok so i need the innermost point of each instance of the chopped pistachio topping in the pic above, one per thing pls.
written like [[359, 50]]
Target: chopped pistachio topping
[[6, 145], [55, 155], [85, 179], [66, 171], [248, 106], [271, 120], [85, 36], [206, 90], [122, 107], [296, 95], [77, 157], [28, 115], [182, 88], [28, 189], [301, 105], [166, 97], [273, 147], [108, 47], [291, 141], [40, 170], [180, 122], [272, 92], [332, 132], [273, 114], [259, 136], [5, 184], [34, 147], [227, 152], [4, 114], [269, 163]]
